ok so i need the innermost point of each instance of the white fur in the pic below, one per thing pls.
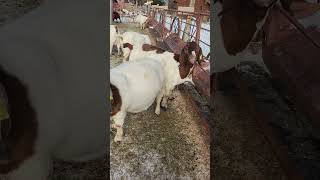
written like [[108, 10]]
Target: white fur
[[139, 84], [140, 81], [141, 21], [136, 39], [115, 38], [60, 59], [172, 66]]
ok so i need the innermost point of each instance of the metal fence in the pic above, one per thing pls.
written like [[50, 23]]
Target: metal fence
[[188, 26]]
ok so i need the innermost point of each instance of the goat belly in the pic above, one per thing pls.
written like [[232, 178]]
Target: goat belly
[[144, 82]]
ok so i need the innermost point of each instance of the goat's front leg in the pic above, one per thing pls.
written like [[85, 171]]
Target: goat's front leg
[[158, 100], [164, 102], [118, 124], [119, 47], [171, 96]]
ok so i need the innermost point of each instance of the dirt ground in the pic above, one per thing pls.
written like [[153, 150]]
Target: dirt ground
[[240, 149], [170, 146]]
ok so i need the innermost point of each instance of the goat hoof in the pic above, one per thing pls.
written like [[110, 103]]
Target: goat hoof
[[118, 139], [164, 108], [157, 112]]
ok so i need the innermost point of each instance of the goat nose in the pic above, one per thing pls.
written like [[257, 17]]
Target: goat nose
[[4, 153]]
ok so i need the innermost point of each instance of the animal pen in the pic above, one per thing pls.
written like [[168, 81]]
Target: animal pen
[[176, 143]]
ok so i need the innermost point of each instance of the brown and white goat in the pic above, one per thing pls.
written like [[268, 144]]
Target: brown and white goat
[[136, 84], [53, 71]]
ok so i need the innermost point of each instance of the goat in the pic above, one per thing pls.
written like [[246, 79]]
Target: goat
[[136, 84], [141, 21], [236, 27], [134, 87], [54, 85], [179, 67], [231, 49], [115, 38], [130, 39]]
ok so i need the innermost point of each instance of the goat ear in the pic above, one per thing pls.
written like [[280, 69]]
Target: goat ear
[[176, 57], [237, 26], [184, 70], [128, 45]]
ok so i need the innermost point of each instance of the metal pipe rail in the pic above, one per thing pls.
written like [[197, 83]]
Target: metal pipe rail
[[172, 22]]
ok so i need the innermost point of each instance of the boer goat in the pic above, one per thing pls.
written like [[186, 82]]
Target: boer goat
[[132, 40], [136, 84], [141, 21], [115, 38], [237, 24], [156, 52], [53, 80]]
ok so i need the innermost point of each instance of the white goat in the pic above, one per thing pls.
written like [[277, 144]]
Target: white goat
[[172, 63], [133, 40], [115, 38], [137, 83], [141, 20], [134, 87], [53, 78]]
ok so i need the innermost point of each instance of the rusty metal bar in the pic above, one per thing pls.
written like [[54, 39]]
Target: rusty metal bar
[[198, 26], [195, 37], [198, 22], [183, 12]]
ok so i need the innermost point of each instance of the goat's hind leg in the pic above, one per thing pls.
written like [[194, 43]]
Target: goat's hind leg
[[118, 124], [158, 101], [166, 95]]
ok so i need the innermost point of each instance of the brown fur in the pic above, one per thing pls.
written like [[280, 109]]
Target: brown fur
[[128, 45], [185, 64], [149, 47], [176, 57], [116, 102], [238, 24], [22, 136]]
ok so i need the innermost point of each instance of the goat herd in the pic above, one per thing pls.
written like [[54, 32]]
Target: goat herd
[[147, 73]]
